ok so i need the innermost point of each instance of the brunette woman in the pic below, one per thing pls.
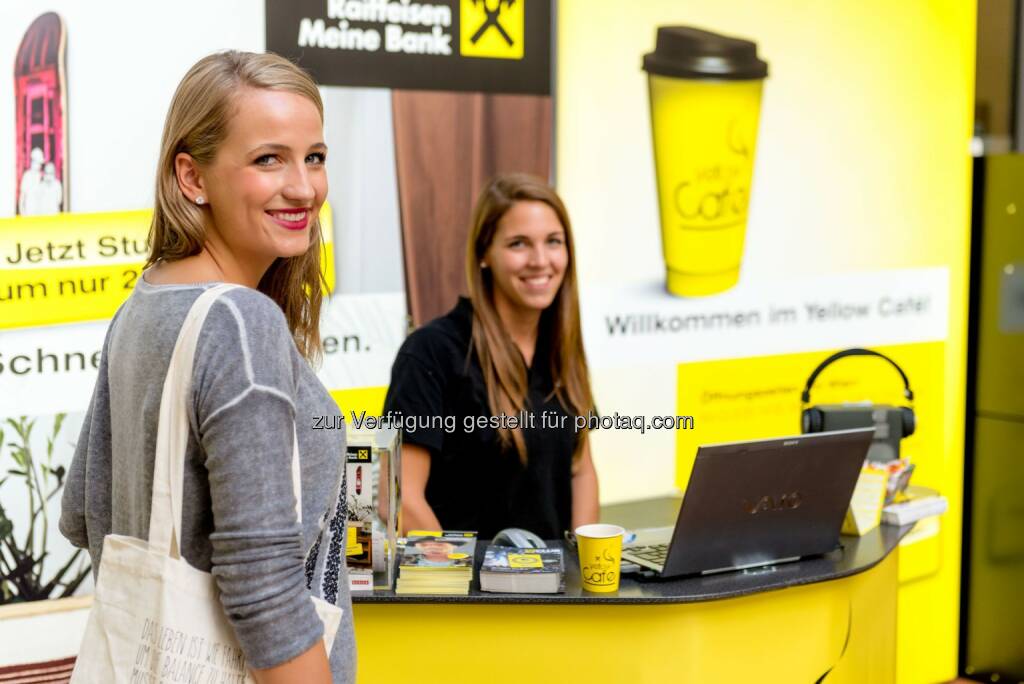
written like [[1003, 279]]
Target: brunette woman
[[508, 364]]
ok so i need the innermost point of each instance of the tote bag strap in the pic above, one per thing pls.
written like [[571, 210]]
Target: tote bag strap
[[173, 431]]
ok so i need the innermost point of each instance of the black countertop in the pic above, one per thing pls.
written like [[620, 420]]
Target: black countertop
[[856, 555]]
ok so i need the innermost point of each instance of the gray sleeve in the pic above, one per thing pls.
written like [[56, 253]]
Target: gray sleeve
[[72, 502], [243, 383], [90, 463]]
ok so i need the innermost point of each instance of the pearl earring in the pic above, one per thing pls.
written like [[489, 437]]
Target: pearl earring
[[200, 200], [483, 265]]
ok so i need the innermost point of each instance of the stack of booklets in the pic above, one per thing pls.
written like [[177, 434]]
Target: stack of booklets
[[917, 503], [523, 571], [436, 563]]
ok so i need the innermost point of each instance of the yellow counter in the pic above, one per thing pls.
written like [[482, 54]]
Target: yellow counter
[[838, 630]]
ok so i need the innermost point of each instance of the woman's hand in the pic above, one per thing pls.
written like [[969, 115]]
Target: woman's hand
[[311, 666], [416, 512]]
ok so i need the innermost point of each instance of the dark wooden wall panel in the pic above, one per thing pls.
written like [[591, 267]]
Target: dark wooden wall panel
[[447, 145]]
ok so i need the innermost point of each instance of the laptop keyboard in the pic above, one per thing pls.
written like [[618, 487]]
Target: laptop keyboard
[[652, 553]]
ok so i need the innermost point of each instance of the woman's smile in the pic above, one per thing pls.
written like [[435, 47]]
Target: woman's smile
[[291, 219], [537, 284]]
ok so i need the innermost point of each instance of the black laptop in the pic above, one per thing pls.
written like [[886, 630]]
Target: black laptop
[[756, 503]]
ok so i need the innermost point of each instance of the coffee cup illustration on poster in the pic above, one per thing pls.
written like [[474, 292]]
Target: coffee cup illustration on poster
[[705, 97]]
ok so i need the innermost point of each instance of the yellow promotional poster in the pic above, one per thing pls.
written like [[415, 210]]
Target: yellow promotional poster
[[756, 189]]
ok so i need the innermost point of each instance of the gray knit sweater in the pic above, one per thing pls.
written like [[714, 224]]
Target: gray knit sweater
[[249, 386]]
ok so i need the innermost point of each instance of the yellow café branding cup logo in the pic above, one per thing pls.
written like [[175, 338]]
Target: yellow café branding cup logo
[[716, 195], [601, 569], [600, 552]]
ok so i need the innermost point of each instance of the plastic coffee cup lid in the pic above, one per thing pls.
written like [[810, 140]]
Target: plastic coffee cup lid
[[688, 52]]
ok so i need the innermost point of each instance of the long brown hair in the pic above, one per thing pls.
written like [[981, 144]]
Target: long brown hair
[[503, 367], [197, 123]]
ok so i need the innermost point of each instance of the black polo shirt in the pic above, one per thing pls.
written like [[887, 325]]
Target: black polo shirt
[[475, 483]]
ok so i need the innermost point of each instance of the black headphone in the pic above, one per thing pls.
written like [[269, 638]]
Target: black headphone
[[813, 419]]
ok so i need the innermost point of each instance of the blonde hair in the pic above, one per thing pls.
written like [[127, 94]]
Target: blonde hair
[[503, 367], [197, 123]]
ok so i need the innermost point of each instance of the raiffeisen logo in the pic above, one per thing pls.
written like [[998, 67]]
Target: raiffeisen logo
[[492, 28], [368, 25], [476, 46]]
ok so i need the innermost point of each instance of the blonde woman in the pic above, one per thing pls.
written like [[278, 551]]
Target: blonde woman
[[239, 186], [513, 349]]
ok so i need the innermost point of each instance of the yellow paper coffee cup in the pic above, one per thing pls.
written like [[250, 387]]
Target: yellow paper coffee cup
[[705, 98], [600, 550]]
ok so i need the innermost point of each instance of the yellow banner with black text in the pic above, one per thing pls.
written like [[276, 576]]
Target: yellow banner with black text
[[68, 268]]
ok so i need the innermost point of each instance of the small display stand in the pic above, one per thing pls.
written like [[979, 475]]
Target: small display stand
[[372, 471]]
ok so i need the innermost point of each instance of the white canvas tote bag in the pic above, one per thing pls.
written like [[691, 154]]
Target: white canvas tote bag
[[155, 618]]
